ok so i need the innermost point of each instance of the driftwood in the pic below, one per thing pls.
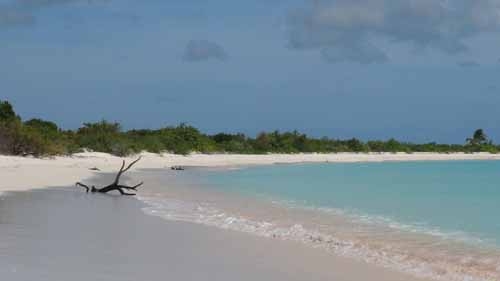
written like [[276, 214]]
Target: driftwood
[[116, 184]]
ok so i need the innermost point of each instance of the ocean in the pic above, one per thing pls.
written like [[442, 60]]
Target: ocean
[[431, 219]]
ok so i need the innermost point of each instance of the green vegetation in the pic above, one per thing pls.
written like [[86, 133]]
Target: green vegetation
[[7, 112], [39, 138]]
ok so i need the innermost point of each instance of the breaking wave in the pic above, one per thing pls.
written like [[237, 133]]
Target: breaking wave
[[411, 254]]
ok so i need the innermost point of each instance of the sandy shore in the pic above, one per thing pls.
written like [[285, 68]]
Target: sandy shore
[[57, 235], [18, 173]]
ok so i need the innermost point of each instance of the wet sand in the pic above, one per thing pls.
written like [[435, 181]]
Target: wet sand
[[65, 234]]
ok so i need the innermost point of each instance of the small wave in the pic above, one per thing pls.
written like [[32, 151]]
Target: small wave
[[377, 220], [467, 269]]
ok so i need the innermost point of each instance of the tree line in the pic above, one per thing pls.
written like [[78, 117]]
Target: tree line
[[42, 138]]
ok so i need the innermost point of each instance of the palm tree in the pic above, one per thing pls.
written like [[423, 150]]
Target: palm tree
[[479, 138]]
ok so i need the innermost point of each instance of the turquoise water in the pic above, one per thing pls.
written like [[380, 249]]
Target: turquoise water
[[456, 199]]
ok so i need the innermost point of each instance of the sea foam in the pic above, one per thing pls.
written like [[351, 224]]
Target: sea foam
[[437, 267]]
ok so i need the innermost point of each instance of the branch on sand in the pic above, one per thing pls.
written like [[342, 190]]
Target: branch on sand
[[116, 184]]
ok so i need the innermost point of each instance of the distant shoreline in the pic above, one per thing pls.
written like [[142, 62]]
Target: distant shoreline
[[22, 173], [45, 138]]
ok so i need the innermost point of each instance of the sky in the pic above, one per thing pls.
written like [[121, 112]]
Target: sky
[[416, 70]]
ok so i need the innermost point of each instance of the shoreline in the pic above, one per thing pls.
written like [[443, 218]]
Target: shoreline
[[133, 245], [351, 235], [25, 173]]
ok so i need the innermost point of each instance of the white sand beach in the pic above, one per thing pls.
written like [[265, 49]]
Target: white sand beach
[[19, 173]]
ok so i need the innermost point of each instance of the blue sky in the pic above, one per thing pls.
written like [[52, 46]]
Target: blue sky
[[416, 70]]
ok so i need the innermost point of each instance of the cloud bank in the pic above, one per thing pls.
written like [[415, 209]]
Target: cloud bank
[[346, 30], [203, 50]]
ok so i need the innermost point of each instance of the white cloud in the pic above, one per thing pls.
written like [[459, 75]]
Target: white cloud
[[345, 29]]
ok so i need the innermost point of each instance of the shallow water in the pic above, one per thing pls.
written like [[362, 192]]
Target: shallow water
[[432, 219], [450, 196]]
